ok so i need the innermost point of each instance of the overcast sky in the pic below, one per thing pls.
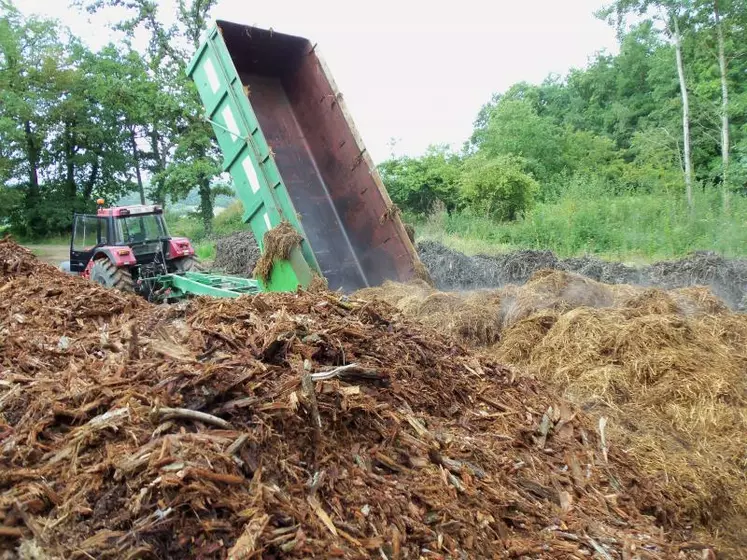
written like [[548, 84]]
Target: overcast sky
[[414, 70]]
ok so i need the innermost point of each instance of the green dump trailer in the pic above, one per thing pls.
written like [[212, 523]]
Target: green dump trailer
[[295, 156]]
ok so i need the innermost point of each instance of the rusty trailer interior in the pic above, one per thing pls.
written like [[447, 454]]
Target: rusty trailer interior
[[344, 209]]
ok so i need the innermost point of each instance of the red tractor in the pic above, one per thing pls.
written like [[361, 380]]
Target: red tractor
[[127, 247]]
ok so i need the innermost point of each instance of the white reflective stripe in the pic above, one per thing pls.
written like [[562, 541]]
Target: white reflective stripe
[[231, 125], [267, 222], [212, 76], [251, 174]]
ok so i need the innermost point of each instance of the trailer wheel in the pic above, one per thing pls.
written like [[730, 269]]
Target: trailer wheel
[[186, 264], [105, 273]]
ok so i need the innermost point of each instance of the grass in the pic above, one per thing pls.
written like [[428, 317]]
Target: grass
[[205, 250], [631, 228], [55, 240]]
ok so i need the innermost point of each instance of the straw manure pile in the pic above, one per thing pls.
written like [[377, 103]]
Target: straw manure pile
[[287, 425], [668, 369], [470, 317], [673, 386], [278, 244], [477, 317], [452, 270]]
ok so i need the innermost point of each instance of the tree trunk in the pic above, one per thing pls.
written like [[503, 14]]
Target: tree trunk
[[724, 108], [136, 159], [32, 154], [206, 205], [160, 164], [72, 189], [32, 225], [685, 112], [88, 190]]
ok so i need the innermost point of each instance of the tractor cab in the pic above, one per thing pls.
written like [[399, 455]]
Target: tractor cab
[[132, 239]]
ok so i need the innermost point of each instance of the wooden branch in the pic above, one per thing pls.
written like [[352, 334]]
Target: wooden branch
[[336, 372], [134, 349], [351, 372], [308, 388], [10, 532], [170, 413], [236, 446], [495, 404]]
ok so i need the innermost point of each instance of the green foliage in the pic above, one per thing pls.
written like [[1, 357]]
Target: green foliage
[[184, 152], [656, 166], [514, 128], [227, 222], [587, 220], [185, 226], [231, 220], [497, 187], [416, 184], [605, 143], [62, 135], [205, 250], [77, 124], [11, 202]]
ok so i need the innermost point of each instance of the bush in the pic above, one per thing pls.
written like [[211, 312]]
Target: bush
[[10, 205], [230, 220], [191, 226], [497, 187], [589, 220], [185, 226], [416, 184]]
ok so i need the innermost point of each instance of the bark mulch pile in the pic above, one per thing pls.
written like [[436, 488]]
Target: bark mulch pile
[[287, 425]]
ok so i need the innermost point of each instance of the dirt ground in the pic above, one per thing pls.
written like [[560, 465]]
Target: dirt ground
[[52, 254]]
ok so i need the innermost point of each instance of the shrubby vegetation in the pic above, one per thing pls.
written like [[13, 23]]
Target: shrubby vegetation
[[639, 227], [595, 160]]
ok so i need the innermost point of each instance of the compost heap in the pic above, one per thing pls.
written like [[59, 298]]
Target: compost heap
[[666, 369], [236, 254], [230, 428], [452, 270]]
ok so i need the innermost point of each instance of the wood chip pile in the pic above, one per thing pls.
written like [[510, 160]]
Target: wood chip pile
[[287, 425]]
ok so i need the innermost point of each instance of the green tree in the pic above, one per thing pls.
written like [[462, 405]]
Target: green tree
[[497, 187], [717, 50], [28, 50], [62, 140], [416, 184], [184, 153], [514, 128], [672, 14]]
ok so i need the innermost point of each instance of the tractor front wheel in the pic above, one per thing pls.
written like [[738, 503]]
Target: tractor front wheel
[[105, 273]]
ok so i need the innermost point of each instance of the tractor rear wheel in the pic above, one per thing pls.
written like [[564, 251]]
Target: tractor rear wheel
[[105, 273], [186, 264]]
